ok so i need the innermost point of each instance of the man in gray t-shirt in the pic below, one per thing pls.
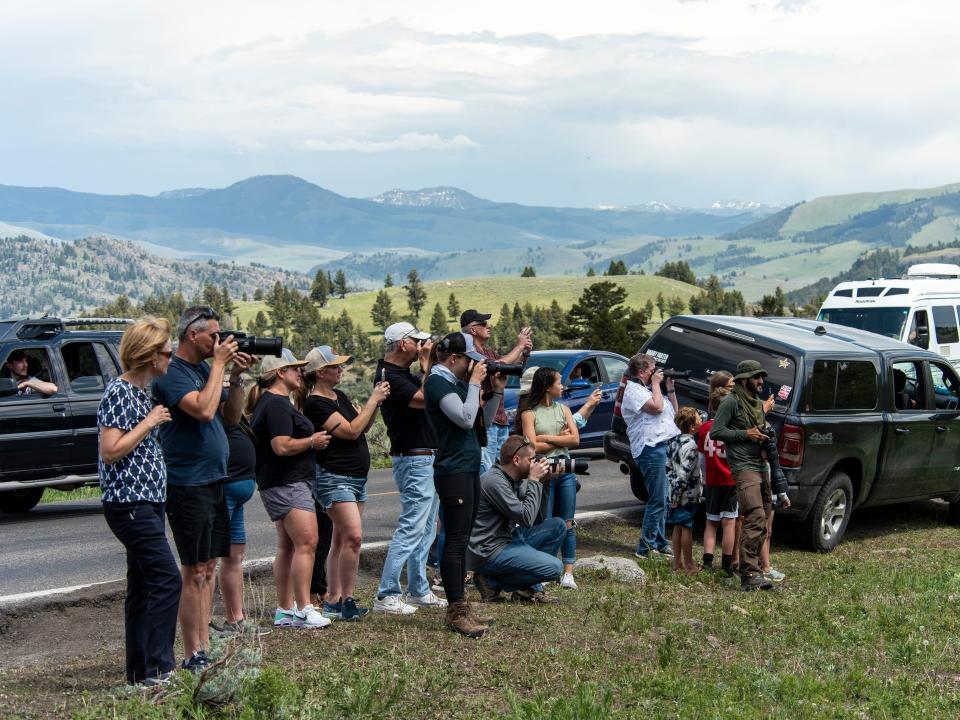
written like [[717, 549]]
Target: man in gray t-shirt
[[17, 365], [509, 549]]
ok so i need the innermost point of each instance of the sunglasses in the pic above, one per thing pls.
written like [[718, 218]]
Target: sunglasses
[[479, 324], [526, 441], [166, 353], [204, 312]]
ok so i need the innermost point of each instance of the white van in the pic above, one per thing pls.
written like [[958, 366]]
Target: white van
[[920, 308]]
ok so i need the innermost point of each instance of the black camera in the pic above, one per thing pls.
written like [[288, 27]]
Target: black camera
[[677, 374], [494, 367], [560, 465], [253, 345]]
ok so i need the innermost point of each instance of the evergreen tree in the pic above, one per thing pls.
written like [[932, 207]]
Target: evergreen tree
[[453, 307], [676, 306], [648, 308], [227, 306], [528, 271], [340, 284], [661, 305], [438, 321], [258, 295], [617, 267], [714, 300], [600, 320], [591, 272], [320, 289], [679, 270], [258, 325], [416, 293], [388, 281], [382, 311]]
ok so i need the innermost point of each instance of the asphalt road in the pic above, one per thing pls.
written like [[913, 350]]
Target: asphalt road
[[66, 544]]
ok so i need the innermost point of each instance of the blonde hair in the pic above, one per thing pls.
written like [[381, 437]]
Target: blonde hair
[[142, 340], [686, 419]]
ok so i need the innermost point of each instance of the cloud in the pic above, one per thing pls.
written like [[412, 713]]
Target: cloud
[[407, 142]]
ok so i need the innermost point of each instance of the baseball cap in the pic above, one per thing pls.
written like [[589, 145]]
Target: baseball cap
[[325, 356], [271, 364], [471, 351], [526, 380], [748, 369], [472, 316], [456, 342], [399, 331]]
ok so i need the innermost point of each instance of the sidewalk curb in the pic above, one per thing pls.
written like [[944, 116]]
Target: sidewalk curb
[[371, 562]]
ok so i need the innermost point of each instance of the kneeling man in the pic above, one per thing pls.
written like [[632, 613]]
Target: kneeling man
[[509, 550]]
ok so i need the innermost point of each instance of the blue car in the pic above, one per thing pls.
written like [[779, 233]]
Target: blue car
[[598, 367]]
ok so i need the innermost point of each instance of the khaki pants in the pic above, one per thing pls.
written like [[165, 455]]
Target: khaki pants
[[754, 498]]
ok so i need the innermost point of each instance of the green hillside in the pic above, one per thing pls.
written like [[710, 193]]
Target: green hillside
[[490, 293]]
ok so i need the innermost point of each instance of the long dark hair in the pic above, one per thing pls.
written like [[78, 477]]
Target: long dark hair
[[543, 380]]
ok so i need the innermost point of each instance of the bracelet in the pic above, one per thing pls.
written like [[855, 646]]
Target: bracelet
[[671, 392], [311, 442]]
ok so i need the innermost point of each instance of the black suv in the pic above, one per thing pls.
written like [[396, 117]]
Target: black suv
[[51, 440], [862, 420]]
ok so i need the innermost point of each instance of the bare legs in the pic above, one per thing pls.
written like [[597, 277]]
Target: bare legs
[[293, 565], [344, 558]]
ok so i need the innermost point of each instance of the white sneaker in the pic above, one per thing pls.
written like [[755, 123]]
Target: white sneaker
[[393, 605], [567, 581], [308, 617], [428, 601]]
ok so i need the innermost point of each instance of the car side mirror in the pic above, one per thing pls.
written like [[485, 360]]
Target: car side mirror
[[8, 387], [578, 384]]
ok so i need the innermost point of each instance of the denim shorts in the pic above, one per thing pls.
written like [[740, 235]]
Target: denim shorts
[[238, 492], [682, 515], [330, 488]]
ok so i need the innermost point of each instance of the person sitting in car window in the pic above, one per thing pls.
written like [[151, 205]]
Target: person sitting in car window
[[17, 365]]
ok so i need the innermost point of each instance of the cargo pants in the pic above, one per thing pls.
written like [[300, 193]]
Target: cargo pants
[[755, 500]]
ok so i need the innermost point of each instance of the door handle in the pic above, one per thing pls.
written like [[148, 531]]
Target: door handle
[[58, 408], [901, 431], [941, 428]]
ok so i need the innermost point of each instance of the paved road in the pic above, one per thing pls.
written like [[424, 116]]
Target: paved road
[[67, 544]]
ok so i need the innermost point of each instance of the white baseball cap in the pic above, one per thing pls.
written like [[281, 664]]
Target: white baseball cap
[[399, 331], [272, 363], [325, 356]]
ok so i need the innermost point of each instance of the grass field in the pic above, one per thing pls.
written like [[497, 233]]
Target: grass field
[[871, 630], [489, 293]]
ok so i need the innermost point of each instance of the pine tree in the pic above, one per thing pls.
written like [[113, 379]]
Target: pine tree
[[438, 321], [416, 294], [340, 284], [320, 289], [617, 267], [599, 320], [676, 306], [258, 295], [591, 272], [661, 305], [382, 311], [528, 271], [453, 306], [648, 308], [388, 281]]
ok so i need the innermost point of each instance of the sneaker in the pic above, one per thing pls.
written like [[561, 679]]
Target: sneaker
[[755, 582], [487, 592], [351, 611], [159, 680], [428, 601], [667, 552], [196, 663], [240, 627], [333, 611], [393, 605], [774, 575], [308, 617], [568, 582], [284, 618], [224, 630]]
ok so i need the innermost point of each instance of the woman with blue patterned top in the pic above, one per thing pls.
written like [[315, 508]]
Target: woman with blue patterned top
[[133, 479]]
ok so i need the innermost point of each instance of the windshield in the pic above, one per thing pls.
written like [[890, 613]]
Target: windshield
[[557, 362], [887, 321]]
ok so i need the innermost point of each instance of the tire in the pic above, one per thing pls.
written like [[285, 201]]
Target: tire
[[953, 514], [20, 501], [637, 485], [830, 514]]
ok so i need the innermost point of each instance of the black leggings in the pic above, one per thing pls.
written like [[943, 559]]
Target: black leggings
[[458, 496], [318, 582]]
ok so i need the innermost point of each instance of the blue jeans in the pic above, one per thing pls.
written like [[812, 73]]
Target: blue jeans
[[415, 528], [562, 503], [652, 462], [238, 492], [490, 455], [529, 559]]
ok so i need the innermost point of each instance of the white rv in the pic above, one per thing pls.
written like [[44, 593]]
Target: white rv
[[920, 308]]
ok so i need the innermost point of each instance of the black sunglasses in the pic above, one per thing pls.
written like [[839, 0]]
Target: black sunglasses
[[203, 312], [526, 441]]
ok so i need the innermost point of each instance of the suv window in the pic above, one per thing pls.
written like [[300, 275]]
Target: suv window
[[589, 370], [919, 334], [844, 385], [615, 368], [84, 369], [945, 321], [38, 366], [907, 383], [946, 389], [705, 353]]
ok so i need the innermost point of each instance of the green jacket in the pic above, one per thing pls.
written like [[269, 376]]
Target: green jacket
[[730, 428]]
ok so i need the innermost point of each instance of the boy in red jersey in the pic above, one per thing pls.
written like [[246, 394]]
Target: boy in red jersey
[[721, 491]]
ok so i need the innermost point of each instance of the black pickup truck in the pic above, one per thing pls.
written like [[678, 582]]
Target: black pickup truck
[[51, 440], [862, 420]]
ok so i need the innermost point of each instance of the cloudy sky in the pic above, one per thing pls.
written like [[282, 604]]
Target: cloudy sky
[[602, 103]]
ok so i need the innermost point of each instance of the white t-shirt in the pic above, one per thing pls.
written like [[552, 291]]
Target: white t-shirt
[[646, 428]]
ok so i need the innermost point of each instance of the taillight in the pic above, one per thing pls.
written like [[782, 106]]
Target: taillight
[[791, 446], [623, 386]]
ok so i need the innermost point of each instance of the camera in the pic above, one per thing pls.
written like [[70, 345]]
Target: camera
[[577, 466], [677, 374], [253, 345], [494, 367]]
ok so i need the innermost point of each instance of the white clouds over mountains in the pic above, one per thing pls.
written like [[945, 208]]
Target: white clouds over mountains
[[611, 102]]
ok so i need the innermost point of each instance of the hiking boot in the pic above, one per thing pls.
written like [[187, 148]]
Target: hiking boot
[[479, 617], [487, 592], [755, 582], [351, 611], [538, 597], [459, 620]]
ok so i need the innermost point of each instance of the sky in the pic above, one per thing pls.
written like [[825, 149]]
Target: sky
[[547, 103]]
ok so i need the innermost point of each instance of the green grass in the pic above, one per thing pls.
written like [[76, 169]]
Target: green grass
[[489, 293], [869, 631], [51, 496]]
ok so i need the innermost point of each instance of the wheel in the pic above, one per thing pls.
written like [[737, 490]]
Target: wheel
[[827, 522], [637, 485], [18, 501]]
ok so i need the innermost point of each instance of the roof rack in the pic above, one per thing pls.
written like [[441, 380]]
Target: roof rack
[[95, 321]]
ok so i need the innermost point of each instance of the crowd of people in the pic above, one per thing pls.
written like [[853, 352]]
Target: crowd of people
[[183, 439]]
